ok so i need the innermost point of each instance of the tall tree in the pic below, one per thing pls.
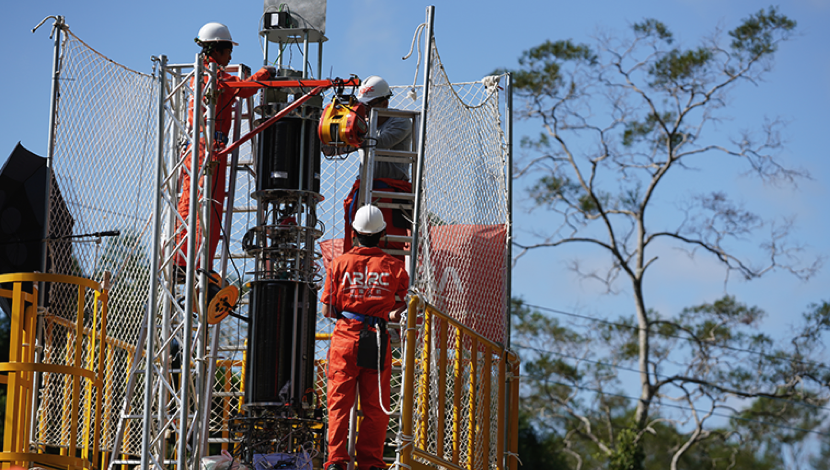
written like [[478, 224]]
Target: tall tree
[[618, 118]]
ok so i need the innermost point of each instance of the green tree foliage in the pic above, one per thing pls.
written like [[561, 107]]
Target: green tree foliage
[[708, 358]]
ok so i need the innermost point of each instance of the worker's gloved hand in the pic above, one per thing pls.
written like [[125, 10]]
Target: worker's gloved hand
[[272, 71]]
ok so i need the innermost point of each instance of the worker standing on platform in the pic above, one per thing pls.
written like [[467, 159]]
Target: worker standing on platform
[[217, 47], [360, 291], [394, 133]]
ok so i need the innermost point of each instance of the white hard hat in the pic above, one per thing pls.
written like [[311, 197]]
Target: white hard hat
[[371, 88], [368, 220], [214, 32]]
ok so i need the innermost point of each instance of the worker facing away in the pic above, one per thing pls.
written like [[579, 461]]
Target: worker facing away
[[217, 47], [394, 133], [360, 291]]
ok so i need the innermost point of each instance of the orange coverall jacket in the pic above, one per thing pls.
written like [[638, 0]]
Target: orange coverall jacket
[[363, 281]]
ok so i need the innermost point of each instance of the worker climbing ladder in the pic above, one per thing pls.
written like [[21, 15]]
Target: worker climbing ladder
[[384, 196]]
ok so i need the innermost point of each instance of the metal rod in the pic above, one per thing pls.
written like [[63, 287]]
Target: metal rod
[[295, 340], [204, 381], [413, 258], [509, 115], [353, 428], [230, 198], [320, 58], [508, 111], [305, 53], [407, 412], [57, 30], [367, 165], [187, 334], [179, 105], [155, 249]]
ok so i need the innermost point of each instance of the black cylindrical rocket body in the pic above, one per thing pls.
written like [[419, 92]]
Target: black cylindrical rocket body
[[283, 310]]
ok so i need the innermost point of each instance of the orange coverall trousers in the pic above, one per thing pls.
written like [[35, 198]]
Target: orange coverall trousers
[[217, 182], [343, 375]]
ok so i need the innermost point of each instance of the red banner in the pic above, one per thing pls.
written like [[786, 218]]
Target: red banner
[[468, 265]]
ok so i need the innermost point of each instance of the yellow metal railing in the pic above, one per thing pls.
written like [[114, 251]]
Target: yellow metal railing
[[472, 353], [22, 370]]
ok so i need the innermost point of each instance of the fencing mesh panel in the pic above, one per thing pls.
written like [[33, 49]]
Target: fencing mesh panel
[[103, 168], [463, 255]]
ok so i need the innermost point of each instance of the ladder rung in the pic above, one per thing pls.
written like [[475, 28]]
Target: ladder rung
[[390, 159], [396, 153], [397, 112], [394, 205], [244, 209], [220, 440], [240, 256], [138, 462], [399, 238], [391, 195], [228, 394]]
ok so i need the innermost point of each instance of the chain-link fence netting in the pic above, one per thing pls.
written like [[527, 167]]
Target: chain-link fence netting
[[462, 269], [103, 182]]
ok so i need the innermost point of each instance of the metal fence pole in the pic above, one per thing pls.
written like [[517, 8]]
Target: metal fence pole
[[413, 257], [151, 304]]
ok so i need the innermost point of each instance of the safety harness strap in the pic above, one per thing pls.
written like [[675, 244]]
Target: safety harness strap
[[366, 319]]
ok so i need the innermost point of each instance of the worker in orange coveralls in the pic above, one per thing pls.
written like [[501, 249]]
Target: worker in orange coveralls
[[360, 291], [217, 46], [394, 133]]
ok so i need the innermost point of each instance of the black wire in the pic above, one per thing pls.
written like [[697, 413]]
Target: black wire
[[686, 408], [305, 59], [731, 348], [628, 369]]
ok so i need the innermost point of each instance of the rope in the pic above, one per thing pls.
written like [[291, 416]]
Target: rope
[[403, 441], [412, 94], [516, 456]]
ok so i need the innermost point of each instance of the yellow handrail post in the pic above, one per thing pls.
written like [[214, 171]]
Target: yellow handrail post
[[485, 409], [102, 302], [472, 464], [456, 396], [76, 381], [513, 426], [501, 412], [424, 395], [442, 386]]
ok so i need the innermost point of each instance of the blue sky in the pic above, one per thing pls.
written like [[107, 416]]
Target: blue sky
[[474, 37]]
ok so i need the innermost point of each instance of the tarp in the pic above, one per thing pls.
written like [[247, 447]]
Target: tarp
[[468, 263]]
